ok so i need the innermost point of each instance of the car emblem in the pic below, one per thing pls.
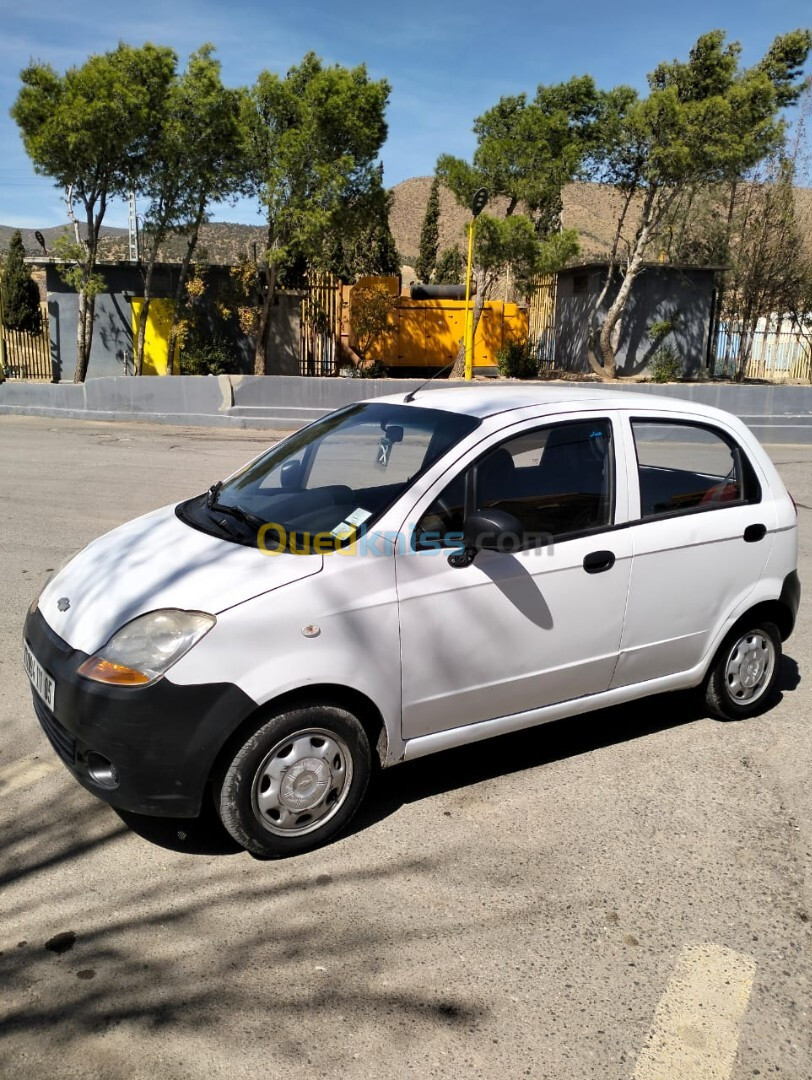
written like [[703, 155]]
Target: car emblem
[[63, 603]]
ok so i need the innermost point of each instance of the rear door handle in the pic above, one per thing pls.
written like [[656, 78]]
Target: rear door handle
[[598, 561], [754, 533]]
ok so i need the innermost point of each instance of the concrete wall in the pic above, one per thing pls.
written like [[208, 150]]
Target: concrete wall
[[659, 293], [112, 348], [775, 413]]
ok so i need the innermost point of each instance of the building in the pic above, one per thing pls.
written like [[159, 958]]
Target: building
[[683, 296]]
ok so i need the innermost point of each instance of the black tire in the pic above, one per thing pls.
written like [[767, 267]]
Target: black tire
[[741, 681], [296, 782]]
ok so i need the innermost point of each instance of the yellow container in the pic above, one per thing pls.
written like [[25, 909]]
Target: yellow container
[[427, 333], [156, 341]]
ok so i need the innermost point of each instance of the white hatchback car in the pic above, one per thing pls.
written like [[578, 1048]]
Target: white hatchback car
[[410, 574]]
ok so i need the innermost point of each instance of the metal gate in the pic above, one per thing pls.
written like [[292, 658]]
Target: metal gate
[[320, 326], [541, 312], [27, 356]]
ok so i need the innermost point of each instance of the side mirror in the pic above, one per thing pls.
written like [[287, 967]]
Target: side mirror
[[488, 530], [290, 477]]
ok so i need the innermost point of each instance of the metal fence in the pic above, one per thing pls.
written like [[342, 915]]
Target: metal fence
[[320, 326], [28, 356], [779, 351]]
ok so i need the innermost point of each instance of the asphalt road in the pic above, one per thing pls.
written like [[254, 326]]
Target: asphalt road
[[617, 896]]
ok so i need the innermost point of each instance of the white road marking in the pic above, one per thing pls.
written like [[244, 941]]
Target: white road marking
[[24, 772], [695, 1031]]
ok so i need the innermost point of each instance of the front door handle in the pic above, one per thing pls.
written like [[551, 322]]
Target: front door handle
[[598, 561], [754, 533]]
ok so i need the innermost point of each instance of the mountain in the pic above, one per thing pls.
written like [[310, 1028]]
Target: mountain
[[592, 209], [50, 236]]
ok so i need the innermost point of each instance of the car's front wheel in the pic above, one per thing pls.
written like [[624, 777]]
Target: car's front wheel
[[296, 781], [744, 673]]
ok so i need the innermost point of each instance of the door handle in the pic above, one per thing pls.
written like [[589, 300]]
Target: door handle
[[754, 533], [598, 561]]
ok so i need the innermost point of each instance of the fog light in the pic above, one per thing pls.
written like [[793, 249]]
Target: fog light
[[102, 771]]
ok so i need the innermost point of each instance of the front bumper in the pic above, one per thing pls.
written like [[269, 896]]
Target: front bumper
[[162, 739]]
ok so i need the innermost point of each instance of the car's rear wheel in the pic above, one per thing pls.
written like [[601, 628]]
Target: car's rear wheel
[[742, 680], [296, 781]]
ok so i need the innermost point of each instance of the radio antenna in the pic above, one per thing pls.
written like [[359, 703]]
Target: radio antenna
[[436, 375]]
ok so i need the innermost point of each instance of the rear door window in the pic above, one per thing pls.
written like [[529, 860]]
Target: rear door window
[[684, 467]]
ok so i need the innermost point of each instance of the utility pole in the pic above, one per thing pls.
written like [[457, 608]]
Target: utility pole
[[132, 225]]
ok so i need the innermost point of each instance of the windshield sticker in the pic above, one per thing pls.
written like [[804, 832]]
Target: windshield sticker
[[384, 450], [342, 530], [359, 516]]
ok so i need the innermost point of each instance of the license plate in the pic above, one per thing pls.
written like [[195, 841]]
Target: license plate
[[40, 679]]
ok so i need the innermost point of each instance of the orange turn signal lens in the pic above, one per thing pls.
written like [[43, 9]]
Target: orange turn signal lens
[[104, 671]]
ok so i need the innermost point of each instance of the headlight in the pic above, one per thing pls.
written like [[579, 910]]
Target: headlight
[[140, 652]]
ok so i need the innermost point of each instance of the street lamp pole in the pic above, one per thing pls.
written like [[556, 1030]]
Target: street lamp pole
[[477, 206]]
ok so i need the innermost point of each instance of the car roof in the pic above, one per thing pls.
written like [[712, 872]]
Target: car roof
[[481, 401]]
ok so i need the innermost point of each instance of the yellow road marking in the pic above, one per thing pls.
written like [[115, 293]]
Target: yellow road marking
[[695, 1032], [24, 772]]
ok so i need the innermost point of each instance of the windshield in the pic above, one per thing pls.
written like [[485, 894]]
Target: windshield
[[322, 485]]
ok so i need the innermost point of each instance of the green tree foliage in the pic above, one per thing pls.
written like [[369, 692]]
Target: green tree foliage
[[429, 235], [513, 244], [195, 158], [313, 138], [360, 241], [21, 310], [450, 268], [704, 121], [526, 152], [91, 131]]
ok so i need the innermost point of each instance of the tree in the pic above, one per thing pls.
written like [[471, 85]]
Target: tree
[[429, 235], [91, 130], [526, 152], [313, 140], [370, 308], [751, 228], [360, 241], [195, 158], [703, 122], [21, 305], [450, 267]]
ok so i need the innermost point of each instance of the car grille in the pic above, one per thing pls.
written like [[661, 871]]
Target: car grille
[[61, 740]]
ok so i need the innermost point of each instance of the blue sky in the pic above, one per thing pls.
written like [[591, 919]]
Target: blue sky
[[446, 63]]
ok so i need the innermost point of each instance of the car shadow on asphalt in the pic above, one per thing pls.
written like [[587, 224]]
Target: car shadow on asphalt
[[465, 766]]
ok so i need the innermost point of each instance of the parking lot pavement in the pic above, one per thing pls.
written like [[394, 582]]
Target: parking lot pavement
[[625, 895]]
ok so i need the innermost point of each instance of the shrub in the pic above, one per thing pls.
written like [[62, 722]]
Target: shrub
[[208, 358], [518, 360], [375, 370], [665, 365], [370, 309]]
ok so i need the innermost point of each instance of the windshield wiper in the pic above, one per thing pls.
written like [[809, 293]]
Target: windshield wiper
[[212, 493], [245, 516]]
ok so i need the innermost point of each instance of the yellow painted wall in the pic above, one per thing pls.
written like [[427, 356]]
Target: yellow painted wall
[[427, 333], [156, 342]]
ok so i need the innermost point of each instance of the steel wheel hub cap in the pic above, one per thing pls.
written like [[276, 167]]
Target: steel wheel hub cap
[[750, 667], [302, 782]]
